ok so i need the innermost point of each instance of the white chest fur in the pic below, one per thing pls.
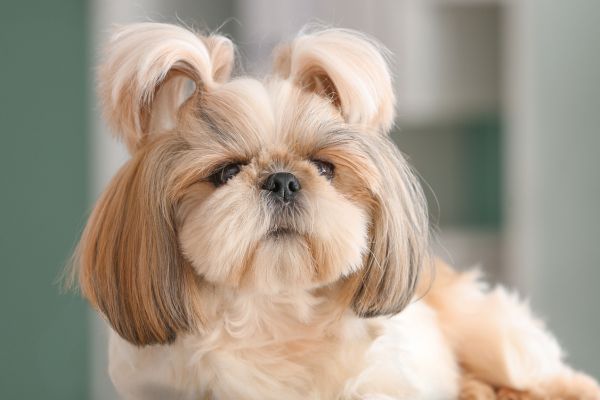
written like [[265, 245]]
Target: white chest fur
[[283, 351]]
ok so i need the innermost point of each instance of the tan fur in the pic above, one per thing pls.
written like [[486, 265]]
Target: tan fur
[[222, 291], [131, 269], [516, 355]]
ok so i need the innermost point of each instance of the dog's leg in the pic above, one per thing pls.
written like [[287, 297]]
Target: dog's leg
[[499, 342]]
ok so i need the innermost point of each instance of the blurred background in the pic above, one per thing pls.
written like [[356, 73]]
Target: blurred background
[[499, 110]]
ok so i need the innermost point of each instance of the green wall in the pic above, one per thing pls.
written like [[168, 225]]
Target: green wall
[[43, 334], [459, 163]]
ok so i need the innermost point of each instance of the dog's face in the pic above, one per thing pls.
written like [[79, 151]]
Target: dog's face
[[270, 186], [275, 201]]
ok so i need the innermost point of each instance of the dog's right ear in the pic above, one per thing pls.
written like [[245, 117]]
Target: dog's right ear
[[128, 261], [143, 79]]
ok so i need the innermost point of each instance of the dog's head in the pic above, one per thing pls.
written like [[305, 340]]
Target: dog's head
[[289, 183]]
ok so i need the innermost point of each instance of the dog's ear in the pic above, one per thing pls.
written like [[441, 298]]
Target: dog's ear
[[398, 246], [142, 82], [351, 71], [399, 236], [129, 264], [345, 67]]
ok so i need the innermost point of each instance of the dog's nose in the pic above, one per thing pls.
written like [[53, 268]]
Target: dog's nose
[[282, 184]]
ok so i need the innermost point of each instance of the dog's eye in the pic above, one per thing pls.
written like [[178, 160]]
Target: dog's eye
[[225, 173], [325, 168]]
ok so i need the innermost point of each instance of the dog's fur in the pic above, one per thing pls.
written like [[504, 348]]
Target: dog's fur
[[224, 292]]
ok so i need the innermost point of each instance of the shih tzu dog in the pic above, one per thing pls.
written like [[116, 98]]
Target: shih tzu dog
[[267, 240]]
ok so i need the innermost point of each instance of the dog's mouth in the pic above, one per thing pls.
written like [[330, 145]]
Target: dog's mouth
[[280, 232]]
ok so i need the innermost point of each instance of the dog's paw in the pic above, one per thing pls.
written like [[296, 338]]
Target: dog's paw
[[473, 389], [377, 397], [569, 385], [511, 394]]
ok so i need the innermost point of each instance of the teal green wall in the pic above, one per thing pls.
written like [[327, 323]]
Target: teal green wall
[[43, 345], [459, 163]]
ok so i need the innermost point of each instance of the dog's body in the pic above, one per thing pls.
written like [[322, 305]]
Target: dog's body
[[258, 352], [478, 345], [266, 239]]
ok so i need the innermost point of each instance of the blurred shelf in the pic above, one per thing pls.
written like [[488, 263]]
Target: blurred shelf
[[449, 60], [468, 2], [459, 164], [466, 248]]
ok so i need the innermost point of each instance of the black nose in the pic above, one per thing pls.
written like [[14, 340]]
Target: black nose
[[283, 184]]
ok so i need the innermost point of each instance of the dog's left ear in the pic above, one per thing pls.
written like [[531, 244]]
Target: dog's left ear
[[399, 233], [347, 68]]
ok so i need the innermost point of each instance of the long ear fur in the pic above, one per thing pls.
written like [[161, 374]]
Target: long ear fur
[[144, 74], [351, 71], [399, 236], [345, 67], [129, 265]]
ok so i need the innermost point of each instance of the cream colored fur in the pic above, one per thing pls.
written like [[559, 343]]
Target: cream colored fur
[[487, 336], [215, 289]]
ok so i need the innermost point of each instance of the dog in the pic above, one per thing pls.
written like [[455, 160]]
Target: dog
[[267, 240]]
